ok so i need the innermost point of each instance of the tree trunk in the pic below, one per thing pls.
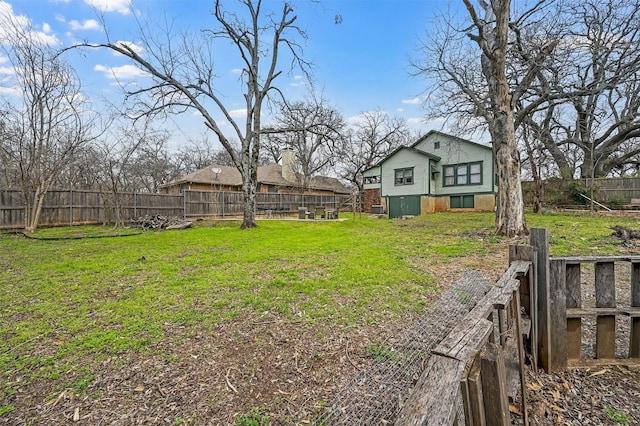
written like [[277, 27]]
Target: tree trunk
[[249, 190], [510, 203], [249, 206], [535, 173], [36, 210]]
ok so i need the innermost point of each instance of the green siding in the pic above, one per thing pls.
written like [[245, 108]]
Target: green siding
[[407, 205]]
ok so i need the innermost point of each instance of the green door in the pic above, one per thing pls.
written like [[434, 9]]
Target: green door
[[405, 205]]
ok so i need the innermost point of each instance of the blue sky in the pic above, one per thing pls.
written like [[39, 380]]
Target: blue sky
[[361, 64]]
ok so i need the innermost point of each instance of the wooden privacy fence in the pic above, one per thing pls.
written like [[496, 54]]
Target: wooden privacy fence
[[469, 367], [564, 316], [71, 207], [611, 191]]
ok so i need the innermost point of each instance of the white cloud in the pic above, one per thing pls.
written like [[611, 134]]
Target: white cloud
[[414, 101], [125, 72], [48, 39], [122, 7], [87, 24], [7, 83], [60, 18], [236, 71], [297, 81], [361, 119], [238, 113], [23, 22], [10, 91], [416, 120]]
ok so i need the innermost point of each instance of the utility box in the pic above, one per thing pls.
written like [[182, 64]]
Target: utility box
[[302, 212], [377, 209]]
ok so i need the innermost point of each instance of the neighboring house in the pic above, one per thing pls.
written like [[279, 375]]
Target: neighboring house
[[273, 178], [439, 172]]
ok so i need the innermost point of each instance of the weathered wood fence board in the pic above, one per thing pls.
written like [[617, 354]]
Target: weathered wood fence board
[[634, 350], [574, 300], [469, 363], [557, 311], [539, 239], [69, 207], [11, 209], [494, 377], [605, 190], [566, 313]]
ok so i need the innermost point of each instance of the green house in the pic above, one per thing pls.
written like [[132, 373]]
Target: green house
[[439, 172]]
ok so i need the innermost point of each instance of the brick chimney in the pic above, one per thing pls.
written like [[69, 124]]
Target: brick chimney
[[289, 165]]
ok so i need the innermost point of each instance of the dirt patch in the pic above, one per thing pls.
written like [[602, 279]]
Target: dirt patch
[[590, 396], [284, 370]]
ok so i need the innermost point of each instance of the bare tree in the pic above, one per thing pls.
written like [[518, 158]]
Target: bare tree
[[184, 77], [9, 177], [198, 154], [47, 122], [311, 129], [373, 136], [595, 81], [484, 89], [152, 165], [124, 159], [492, 34]]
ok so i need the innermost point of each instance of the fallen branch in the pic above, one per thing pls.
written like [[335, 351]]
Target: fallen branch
[[233, 388]]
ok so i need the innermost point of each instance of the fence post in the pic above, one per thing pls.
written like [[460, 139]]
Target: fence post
[[184, 204], [634, 348], [605, 298], [494, 386], [472, 395], [557, 307], [540, 243], [71, 207]]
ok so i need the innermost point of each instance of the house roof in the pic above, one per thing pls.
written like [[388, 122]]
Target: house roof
[[433, 157], [446, 135], [270, 174], [407, 148]]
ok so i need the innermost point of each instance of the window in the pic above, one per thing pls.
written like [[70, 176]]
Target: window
[[436, 145], [461, 202], [463, 174], [372, 179], [404, 176]]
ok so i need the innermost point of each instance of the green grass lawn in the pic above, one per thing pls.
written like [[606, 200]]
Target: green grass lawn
[[65, 299]]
